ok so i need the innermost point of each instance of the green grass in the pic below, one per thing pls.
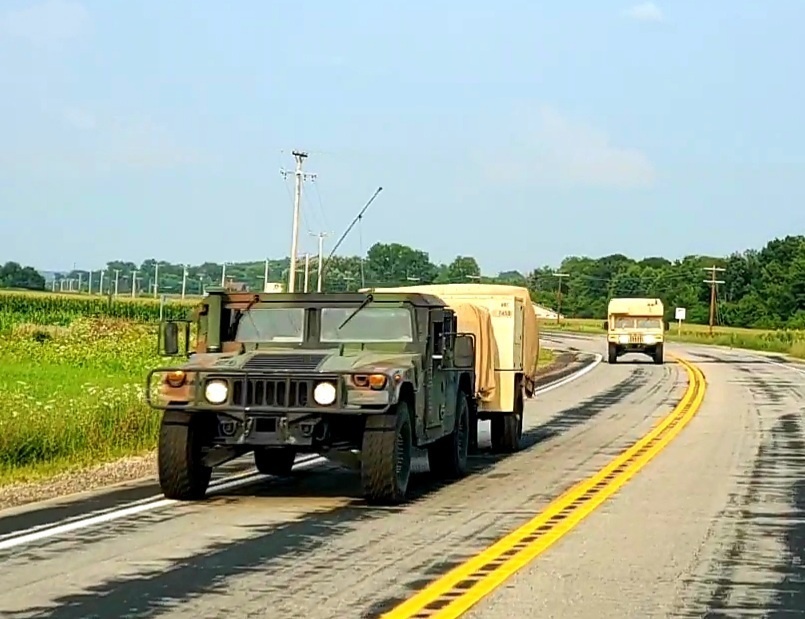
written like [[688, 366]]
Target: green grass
[[546, 357], [784, 342], [73, 396]]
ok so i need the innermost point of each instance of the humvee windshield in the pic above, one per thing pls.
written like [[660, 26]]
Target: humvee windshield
[[272, 324], [371, 324], [630, 322]]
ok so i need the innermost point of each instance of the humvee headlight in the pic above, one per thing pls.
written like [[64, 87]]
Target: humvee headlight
[[623, 339], [324, 393], [216, 391], [649, 339]]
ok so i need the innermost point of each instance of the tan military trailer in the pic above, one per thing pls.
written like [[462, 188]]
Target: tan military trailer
[[635, 325], [505, 323], [279, 374]]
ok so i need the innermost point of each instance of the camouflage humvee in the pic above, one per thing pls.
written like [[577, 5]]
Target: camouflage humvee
[[281, 374]]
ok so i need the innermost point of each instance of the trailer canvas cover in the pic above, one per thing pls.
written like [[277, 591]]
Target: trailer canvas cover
[[453, 294]]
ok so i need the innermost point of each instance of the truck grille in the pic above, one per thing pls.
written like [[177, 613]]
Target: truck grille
[[635, 338], [305, 362], [284, 393]]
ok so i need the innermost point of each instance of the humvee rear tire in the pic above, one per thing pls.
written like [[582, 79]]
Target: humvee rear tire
[[386, 451], [182, 476], [277, 461], [447, 457], [507, 428], [612, 354], [658, 355]]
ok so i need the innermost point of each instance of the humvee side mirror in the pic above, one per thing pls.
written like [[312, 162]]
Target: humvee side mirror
[[667, 325], [464, 351], [605, 325], [168, 345], [170, 339]]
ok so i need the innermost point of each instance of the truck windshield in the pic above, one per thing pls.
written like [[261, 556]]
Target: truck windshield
[[272, 324], [371, 324], [630, 322], [649, 323]]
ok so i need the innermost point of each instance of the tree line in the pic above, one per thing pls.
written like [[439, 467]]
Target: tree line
[[761, 288]]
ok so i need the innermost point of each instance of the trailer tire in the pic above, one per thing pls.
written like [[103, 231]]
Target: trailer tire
[[447, 457], [386, 452], [612, 354], [182, 475], [277, 461], [507, 428]]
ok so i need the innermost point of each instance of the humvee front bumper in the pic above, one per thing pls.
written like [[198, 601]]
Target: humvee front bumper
[[264, 394]]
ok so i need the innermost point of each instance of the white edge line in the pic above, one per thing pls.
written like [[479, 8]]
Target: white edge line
[[736, 352], [567, 379], [786, 366], [249, 476], [34, 534], [28, 535]]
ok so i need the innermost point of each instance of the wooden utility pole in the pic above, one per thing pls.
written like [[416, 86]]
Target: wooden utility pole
[[713, 283], [559, 294]]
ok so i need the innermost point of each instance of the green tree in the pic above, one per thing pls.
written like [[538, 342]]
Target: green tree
[[463, 269], [14, 275], [394, 264]]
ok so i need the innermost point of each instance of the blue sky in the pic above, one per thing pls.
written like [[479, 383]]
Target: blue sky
[[517, 131]]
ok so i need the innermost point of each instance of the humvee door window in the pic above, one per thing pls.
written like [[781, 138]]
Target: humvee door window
[[272, 324], [371, 324]]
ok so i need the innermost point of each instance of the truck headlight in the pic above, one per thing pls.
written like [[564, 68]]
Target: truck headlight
[[216, 391], [623, 339], [324, 393], [650, 339]]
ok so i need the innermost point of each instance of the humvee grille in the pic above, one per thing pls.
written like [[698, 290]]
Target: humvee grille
[[635, 338], [273, 392], [301, 362]]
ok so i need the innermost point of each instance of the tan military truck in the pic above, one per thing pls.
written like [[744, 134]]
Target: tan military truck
[[635, 325], [513, 350]]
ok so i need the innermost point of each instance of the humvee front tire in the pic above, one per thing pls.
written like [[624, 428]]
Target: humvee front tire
[[447, 457], [386, 455], [182, 475], [507, 428], [277, 461], [612, 354], [658, 355]]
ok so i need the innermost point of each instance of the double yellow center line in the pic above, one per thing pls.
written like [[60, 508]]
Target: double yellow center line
[[458, 590]]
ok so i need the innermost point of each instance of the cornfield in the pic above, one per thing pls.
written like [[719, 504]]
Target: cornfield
[[61, 310]]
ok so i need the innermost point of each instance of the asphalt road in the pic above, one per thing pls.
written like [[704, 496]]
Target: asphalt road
[[713, 527]]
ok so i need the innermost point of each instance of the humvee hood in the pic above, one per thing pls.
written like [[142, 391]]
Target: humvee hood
[[305, 360], [366, 361]]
